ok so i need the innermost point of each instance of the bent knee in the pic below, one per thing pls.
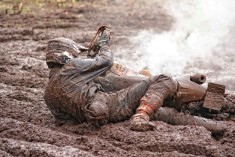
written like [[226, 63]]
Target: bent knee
[[97, 113], [163, 86]]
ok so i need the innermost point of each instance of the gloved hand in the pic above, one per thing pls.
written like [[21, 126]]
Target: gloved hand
[[101, 38]]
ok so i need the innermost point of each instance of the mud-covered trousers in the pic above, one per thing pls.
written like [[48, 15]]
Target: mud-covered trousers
[[121, 105]]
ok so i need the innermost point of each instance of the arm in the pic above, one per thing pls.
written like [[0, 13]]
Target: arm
[[103, 59]]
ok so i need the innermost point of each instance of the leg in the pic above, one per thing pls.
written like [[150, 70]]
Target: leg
[[171, 116], [162, 88], [124, 102], [115, 106], [113, 83]]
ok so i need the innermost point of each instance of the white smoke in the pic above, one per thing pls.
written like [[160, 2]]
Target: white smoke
[[202, 39]]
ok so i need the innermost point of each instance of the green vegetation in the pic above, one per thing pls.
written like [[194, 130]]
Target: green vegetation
[[25, 6]]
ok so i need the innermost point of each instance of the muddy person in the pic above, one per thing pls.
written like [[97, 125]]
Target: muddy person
[[73, 93]]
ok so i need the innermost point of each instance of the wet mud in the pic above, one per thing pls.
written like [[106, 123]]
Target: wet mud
[[27, 128]]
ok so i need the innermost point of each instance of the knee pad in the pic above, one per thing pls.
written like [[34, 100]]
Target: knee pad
[[97, 112]]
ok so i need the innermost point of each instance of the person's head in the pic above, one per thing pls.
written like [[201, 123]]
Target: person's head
[[61, 50]]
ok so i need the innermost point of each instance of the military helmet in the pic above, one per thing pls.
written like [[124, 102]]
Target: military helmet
[[60, 50]]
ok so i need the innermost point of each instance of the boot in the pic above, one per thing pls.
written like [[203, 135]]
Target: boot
[[141, 120]]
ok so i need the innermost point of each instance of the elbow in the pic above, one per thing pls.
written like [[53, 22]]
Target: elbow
[[104, 60], [110, 62]]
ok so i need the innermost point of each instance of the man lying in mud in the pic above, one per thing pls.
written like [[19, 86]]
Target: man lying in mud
[[72, 92], [78, 90]]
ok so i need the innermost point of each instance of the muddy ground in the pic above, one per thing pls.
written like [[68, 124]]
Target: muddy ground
[[27, 128]]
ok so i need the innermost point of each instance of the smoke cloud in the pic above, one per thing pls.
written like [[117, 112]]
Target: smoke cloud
[[202, 31], [202, 39]]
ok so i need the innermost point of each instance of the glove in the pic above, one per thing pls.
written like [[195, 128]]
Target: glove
[[101, 38]]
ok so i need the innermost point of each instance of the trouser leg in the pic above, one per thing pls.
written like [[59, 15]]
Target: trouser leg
[[115, 106], [123, 103], [162, 88]]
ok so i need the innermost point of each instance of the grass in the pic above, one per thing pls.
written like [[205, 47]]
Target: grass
[[13, 6]]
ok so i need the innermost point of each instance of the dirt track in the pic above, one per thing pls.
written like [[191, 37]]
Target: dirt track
[[27, 128]]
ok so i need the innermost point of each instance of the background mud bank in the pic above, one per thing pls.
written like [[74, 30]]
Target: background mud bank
[[27, 128]]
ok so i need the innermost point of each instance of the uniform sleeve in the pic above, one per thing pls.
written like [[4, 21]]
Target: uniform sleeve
[[103, 59]]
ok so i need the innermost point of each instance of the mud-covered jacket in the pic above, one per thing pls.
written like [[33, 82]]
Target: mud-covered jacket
[[72, 86]]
